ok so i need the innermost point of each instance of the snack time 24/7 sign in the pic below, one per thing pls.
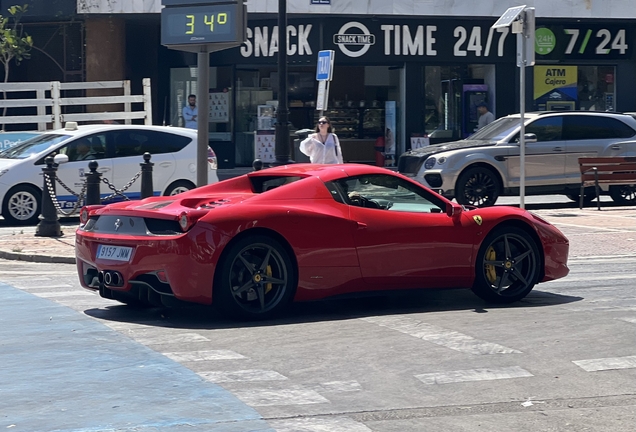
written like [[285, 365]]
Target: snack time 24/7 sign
[[439, 39]]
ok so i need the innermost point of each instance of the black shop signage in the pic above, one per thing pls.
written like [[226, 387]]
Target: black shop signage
[[386, 40]]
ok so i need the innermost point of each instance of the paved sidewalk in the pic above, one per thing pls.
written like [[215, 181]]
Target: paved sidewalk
[[610, 231]]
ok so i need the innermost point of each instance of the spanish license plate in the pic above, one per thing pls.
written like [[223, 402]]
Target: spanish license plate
[[115, 253]]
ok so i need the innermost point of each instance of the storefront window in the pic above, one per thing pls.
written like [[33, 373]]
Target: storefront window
[[452, 94]]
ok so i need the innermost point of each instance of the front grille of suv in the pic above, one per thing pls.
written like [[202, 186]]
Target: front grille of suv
[[410, 164]]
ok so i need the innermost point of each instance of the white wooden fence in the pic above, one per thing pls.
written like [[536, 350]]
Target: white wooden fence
[[55, 101]]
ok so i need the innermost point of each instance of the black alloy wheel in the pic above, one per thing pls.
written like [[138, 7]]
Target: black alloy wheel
[[478, 187], [507, 266], [256, 279], [623, 194]]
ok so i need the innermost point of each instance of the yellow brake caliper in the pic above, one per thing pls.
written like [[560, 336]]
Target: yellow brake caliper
[[491, 273], [268, 286]]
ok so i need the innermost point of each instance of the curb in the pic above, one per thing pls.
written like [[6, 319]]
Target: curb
[[37, 258]]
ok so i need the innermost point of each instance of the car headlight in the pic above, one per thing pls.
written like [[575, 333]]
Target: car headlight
[[430, 163]]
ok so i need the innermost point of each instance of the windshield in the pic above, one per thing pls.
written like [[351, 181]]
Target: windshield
[[497, 130], [32, 146]]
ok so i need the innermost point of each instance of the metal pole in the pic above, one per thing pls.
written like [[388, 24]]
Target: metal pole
[[146, 176], [93, 179], [282, 149], [203, 107], [522, 131], [49, 225]]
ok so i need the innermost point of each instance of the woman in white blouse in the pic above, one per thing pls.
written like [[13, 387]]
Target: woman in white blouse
[[323, 146]]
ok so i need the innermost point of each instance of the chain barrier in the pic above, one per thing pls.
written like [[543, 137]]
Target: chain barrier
[[58, 207], [82, 195], [119, 192]]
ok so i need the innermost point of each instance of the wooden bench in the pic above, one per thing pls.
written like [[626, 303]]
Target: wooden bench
[[610, 170]]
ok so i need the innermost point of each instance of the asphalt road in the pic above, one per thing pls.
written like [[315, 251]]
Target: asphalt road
[[563, 359]]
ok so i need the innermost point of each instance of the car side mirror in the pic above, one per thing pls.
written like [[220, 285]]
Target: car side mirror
[[454, 210], [60, 159], [530, 138]]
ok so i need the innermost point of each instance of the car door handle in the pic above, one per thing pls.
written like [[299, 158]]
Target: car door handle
[[557, 149], [616, 147], [361, 225], [165, 164], [103, 170]]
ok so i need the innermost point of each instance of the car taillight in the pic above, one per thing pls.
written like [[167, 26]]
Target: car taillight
[[87, 211], [212, 162], [189, 218]]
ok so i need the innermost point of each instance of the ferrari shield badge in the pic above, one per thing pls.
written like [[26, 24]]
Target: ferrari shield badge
[[478, 220]]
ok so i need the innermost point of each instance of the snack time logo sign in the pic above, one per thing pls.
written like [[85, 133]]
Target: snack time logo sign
[[373, 40], [453, 40]]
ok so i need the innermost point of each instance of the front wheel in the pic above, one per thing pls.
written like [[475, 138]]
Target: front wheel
[[478, 187], [255, 279], [624, 194], [507, 266], [22, 205]]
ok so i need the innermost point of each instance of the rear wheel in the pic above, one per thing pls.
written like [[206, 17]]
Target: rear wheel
[[477, 186], [22, 205], [178, 187], [507, 266], [624, 194], [256, 279]]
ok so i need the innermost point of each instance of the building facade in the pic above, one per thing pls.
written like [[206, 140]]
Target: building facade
[[404, 69]]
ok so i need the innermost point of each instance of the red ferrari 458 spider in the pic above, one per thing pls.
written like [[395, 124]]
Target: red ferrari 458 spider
[[252, 244]]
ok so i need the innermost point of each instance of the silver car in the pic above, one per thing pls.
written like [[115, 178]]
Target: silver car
[[484, 166]]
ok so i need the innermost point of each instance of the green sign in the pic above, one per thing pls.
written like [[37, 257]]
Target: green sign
[[544, 41]]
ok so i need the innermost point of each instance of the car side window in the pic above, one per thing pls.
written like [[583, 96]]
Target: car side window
[[386, 192], [85, 148], [155, 142], [585, 127], [547, 128]]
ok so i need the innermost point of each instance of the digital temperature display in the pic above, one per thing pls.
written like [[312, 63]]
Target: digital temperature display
[[200, 24]]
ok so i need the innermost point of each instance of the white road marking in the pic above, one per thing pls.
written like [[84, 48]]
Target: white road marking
[[337, 387], [440, 336], [43, 287], [271, 397], [601, 364], [171, 338], [242, 375], [629, 320], [58, 294], [203, 355], [473, 375], [334, 424]]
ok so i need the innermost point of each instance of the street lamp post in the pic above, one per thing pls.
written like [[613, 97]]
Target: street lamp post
[[282, 149]]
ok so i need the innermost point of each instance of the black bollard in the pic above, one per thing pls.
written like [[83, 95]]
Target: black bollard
[[257, 164], [93, 179], [146, 177], [49, 225]]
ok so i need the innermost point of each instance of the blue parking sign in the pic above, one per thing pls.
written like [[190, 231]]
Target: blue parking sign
[[324, 68]]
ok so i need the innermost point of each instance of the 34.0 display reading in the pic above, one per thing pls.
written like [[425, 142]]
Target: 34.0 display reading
[[208, 21], [199, 24]]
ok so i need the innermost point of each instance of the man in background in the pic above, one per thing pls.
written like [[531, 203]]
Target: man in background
[[190, 113], [485, 116]]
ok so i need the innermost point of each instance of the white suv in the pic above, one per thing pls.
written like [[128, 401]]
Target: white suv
[[484, 166], [117, 149]]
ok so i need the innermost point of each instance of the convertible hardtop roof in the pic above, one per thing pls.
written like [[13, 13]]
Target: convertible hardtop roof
[[325, 172]]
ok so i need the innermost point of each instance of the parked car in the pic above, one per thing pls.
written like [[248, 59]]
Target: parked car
[[118, 150], [486, 165], [252, 244]]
